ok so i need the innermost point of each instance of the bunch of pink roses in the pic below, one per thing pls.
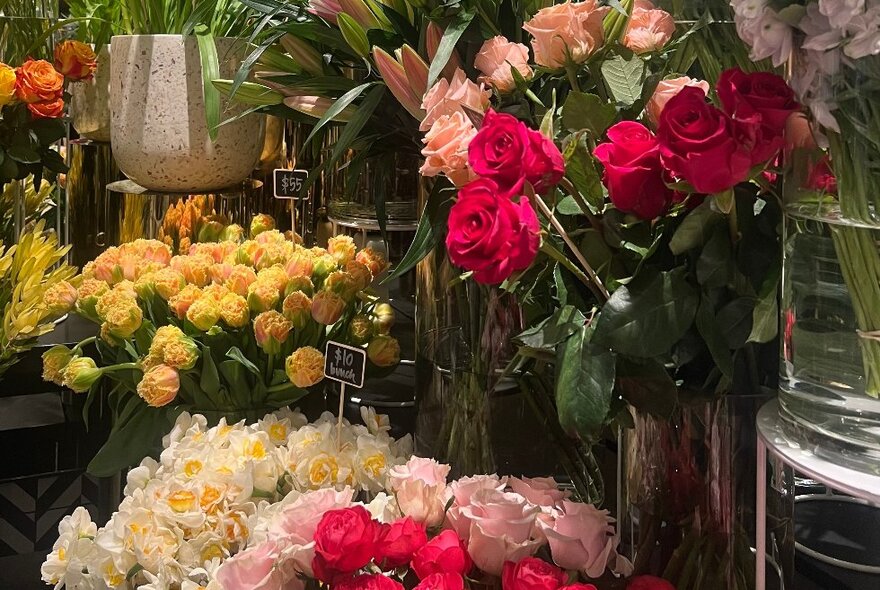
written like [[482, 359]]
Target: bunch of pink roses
[[710, 149], [430, 534]]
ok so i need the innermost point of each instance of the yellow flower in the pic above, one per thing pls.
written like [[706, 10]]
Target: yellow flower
[[300, 283], [373, 260], [359, 273], [119, 311], [7, 84], [216, 292], [327, 307], [323, 266], [234, 310], [261, 223], [60, 298], [240, 278], [360, 329], [301, 263], [305, 367], [181, 500], [80, 373], [297, 307], [87, 296], [384, 351], [341, 248], [383, 318], [245, 253], [323, 470], [272, 253], [262, 296], [232, 233], [181, 302], [341, 283], [204, 313], [159, 386], [174, 348], [54, 362], [374, 465], [275, 275], [168, 282], [271, 330]]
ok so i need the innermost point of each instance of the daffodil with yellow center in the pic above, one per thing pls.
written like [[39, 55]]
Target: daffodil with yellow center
[[278, 433], [323, 469], [192, 467], [181, 500], [374, 464]]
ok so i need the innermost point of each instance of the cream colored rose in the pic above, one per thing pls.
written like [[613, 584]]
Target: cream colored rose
[[446, 148], [665, 90], [648, 30], [445, 98], [568, 32], [496, 58]]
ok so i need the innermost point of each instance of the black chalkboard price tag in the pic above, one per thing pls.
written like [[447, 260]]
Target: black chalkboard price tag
[[287, 183], [345, 364]]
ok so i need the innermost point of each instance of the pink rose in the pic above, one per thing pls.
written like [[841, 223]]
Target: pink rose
[[446, 148], [540, 491], [252, 569], [490, 234], [665, 90], [507, 151], [420, 489], [369, 582], [503, 527], [532, 573], [441, 582], [345, 541], [581, 538], [399, 541], [462, 490], [648, 30], [496, 58], [444, 554], [572, 30], [445, 98], [579, 586]]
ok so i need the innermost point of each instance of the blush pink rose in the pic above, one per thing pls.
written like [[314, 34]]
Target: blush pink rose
[[441, 582], [491, 234], [666, 89], [496, 58], [444, 554], [581, 538], [540, 491], [252, 569], [649, 29], [446, 148], [420, 488], [503, 527], [461, 491], [571, 31], [447, 97]]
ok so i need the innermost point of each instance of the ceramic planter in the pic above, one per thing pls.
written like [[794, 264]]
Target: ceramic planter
[[158, 124]]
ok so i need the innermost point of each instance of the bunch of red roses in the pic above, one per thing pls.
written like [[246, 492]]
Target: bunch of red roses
[[710, 149], [492, 229]]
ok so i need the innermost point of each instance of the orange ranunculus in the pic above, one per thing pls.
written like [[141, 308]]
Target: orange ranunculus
[[37, 81], [75, 60], [47, 110]]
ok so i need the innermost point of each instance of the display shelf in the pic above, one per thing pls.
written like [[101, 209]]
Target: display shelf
[[129, 187], [774, 441]]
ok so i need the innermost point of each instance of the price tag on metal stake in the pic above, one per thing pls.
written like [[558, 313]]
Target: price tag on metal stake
[[288, 183]]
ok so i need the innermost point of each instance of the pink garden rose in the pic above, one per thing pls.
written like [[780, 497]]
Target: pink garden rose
[[253, 569], [446, 148], [649, 29], [444, 554], [461, 491], [665, 90], [441, 582], [532, 573], [445, 98], [571, 31], [581, 538], [496, 58], [540, 491], [420, 489], [369, 582], [491, 234], [345, 541], [399, 541]]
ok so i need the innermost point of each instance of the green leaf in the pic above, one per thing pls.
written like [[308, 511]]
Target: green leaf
[[281, 398], [646, 320], [209, 381], [547, 334], [765, 316], [579, 169], [715, 265], [337, 107], [237, 355], [694, 229], [647, 386], [624, 77], [48, 130], [250, 93], [587, 111], [708, 328], [354, 34], [447, 44], [735, 321], [210, 72], [23, 154], [430, 231], [584, 383]]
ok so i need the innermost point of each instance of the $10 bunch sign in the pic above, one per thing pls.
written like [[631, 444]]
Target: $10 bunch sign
[[347, 365]]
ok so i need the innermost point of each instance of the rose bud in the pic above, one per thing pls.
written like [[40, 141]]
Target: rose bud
[[297, 307], [234, 310], [261, 223], [327, 307], [75, 60], [305, 367], [383, 318], [60, 298], [262, 296], [159, 386], [54, 361], [360, 329], [80, 373], [204, 313], [271, 330], [341, 248], [384, 351], [232, 233]]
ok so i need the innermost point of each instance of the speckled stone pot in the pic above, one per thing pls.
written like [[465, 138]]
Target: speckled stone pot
[[90, 102], [158, 126]]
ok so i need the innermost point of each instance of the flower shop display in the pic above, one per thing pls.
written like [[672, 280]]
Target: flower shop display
[[830, 367], [33, 289], [213, 490], [165, 114], [229, 329]]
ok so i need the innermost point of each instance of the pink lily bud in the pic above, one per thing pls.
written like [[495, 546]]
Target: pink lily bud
[[395, 78], [303, 54], [416, 71], [326, 9], [433, 35], [361, 13], [316, 106]]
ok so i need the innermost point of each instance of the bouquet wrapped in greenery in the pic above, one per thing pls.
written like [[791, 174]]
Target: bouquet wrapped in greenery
[[229, 329]]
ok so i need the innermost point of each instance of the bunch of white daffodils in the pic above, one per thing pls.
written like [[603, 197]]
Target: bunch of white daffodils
[[185, 514]]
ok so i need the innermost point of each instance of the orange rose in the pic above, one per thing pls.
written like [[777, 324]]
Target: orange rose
[[47, 110], [37, 81], [75, 60]]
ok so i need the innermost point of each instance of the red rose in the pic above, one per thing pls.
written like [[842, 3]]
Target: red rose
[[52, 109], [634, 175], [761, 93], [441, 582], [345, 541], [821, 177], [703, 145], [507, 151], [444, 554], [532, 574], [579, 586], [649, 583], [399, 541], [490, 234], [369, 582]]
